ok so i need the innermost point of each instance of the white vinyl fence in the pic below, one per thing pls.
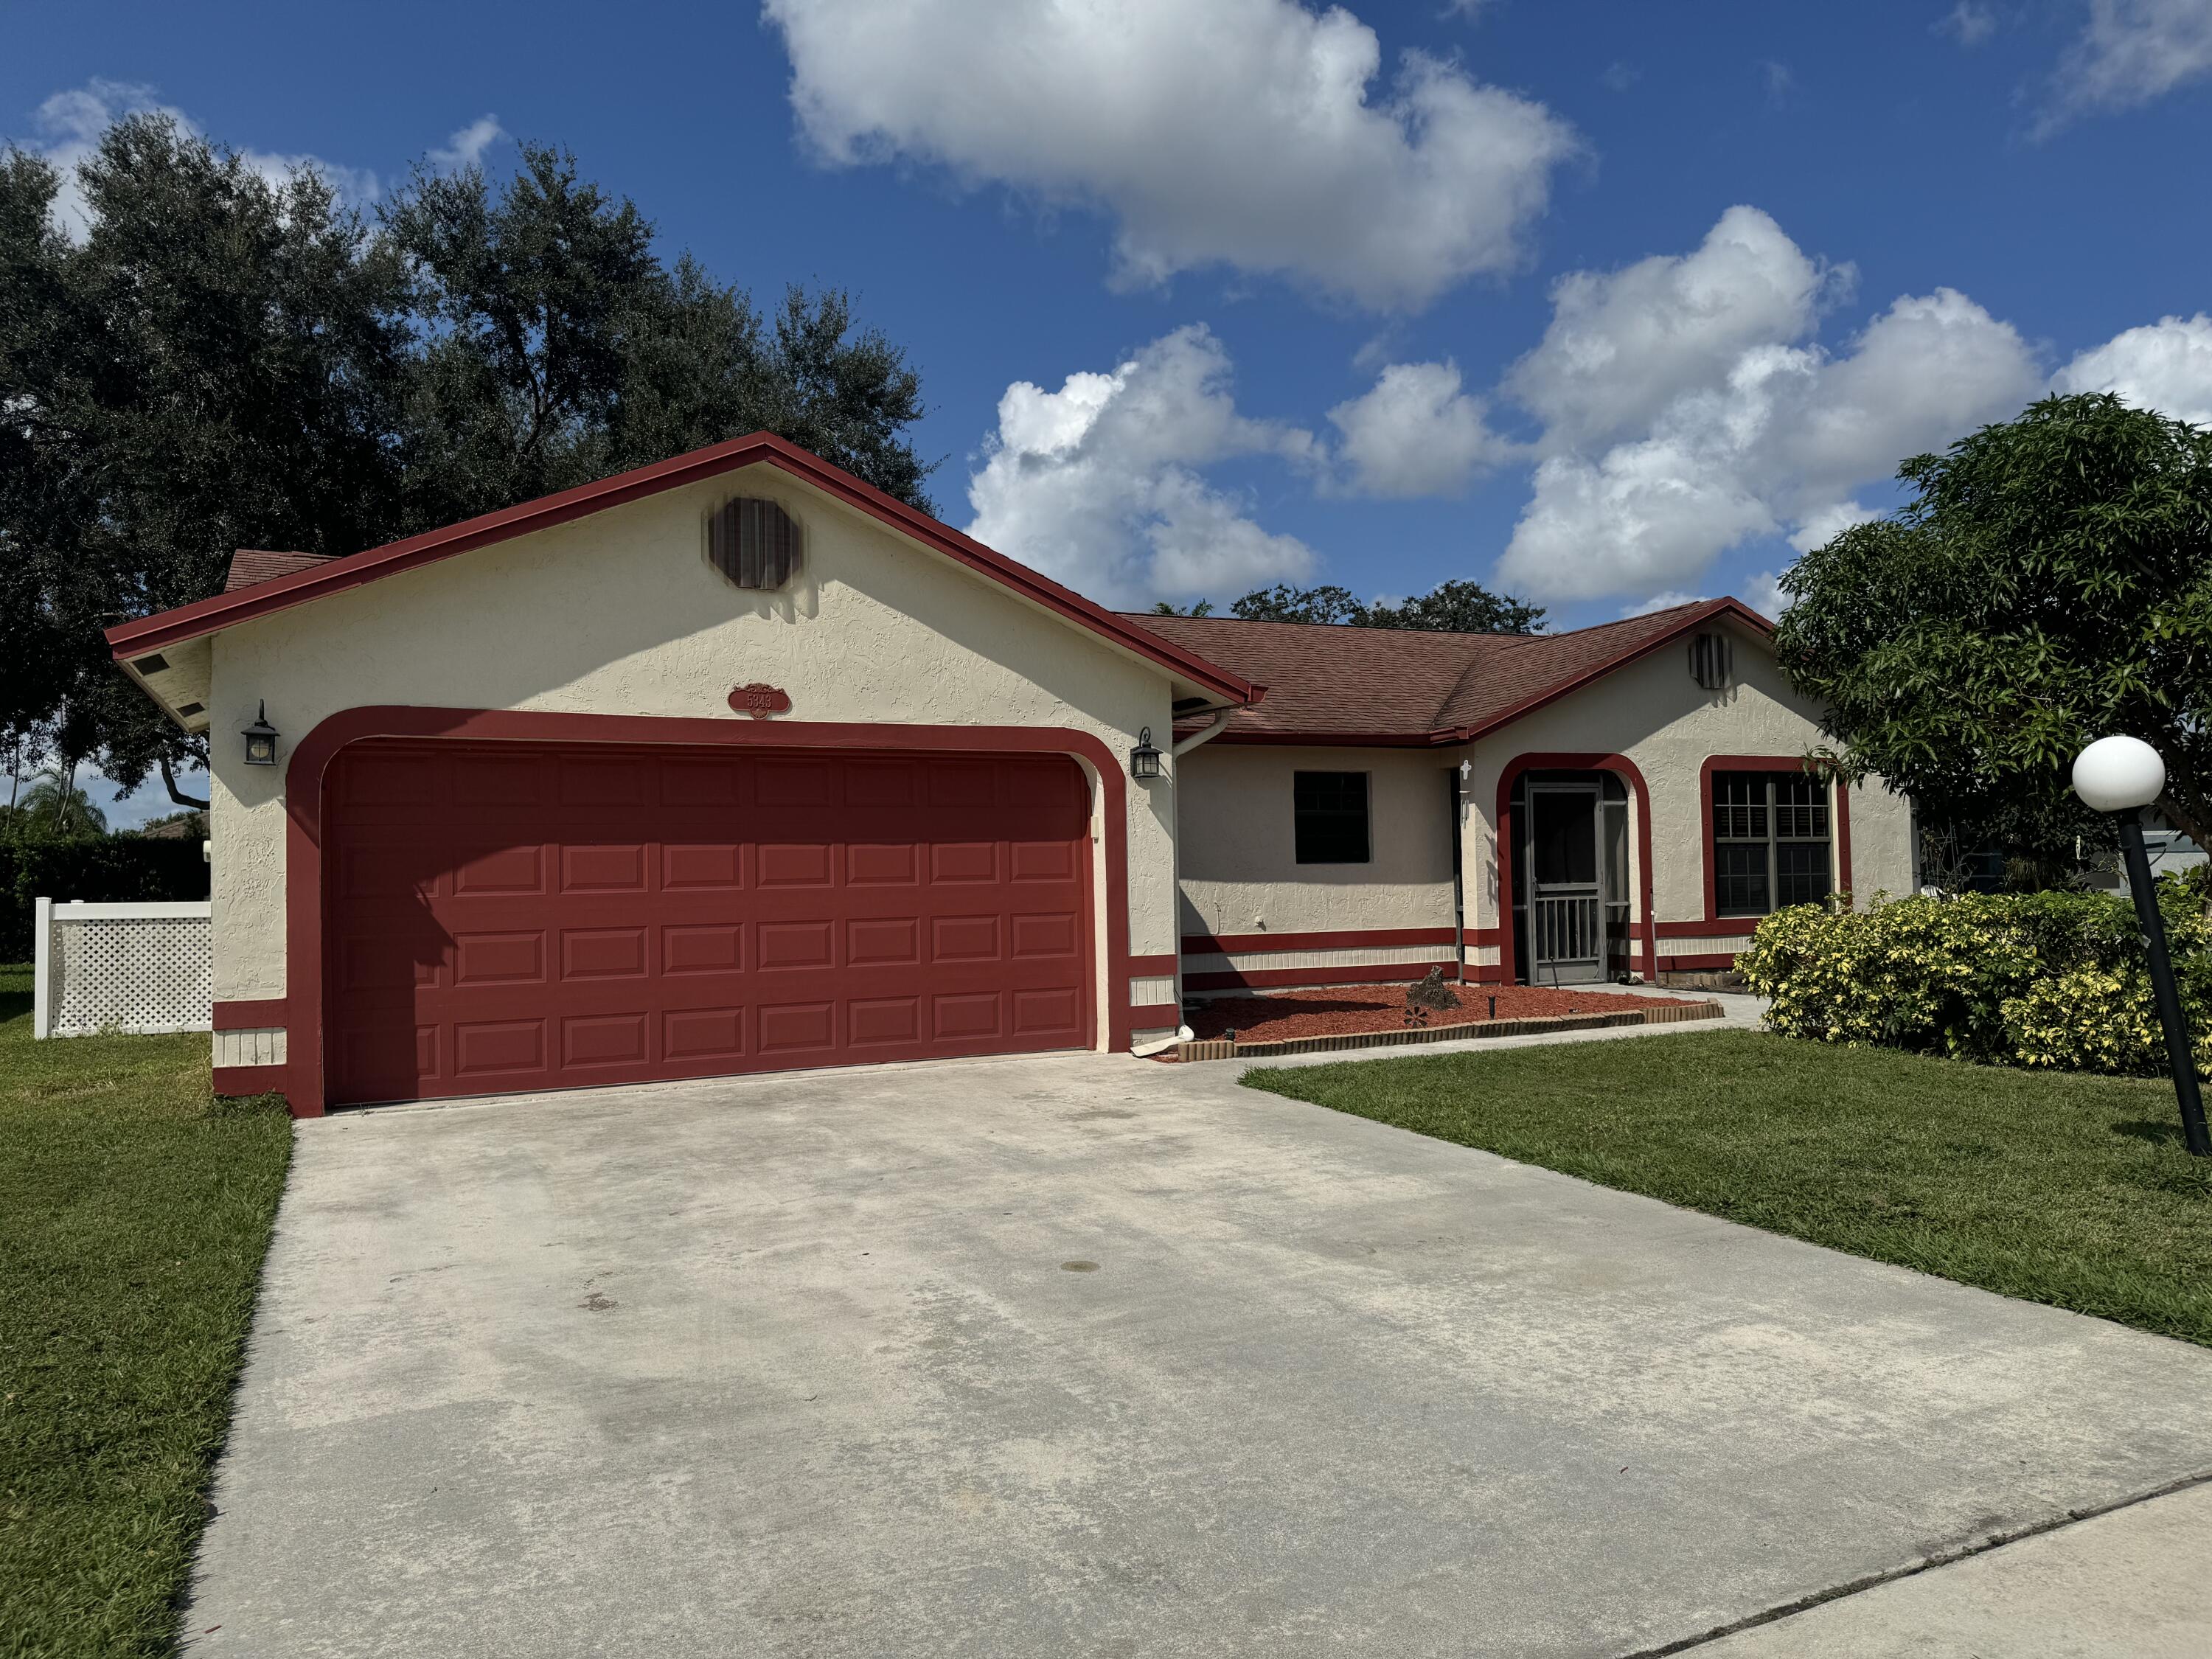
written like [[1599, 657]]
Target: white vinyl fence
[[135, 968]]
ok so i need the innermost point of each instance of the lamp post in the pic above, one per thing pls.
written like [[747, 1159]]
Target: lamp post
[[2122, 776]]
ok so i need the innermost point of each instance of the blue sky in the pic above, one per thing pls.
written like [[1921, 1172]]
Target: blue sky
[[1601, 303]]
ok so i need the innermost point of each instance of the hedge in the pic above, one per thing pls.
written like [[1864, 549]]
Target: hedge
[[106, 869], [2056, 979]]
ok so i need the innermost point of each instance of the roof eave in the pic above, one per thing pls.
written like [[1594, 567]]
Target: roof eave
[[223, 610]]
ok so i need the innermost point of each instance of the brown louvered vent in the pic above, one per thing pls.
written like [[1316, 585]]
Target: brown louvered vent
[[753, 542], [1712, 658]]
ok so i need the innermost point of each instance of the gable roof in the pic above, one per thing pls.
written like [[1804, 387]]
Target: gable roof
[[251, 566], [1329, 682], [303, 586]]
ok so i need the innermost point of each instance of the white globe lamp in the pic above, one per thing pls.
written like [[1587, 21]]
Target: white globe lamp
[[2122, 776], [2118, 774]]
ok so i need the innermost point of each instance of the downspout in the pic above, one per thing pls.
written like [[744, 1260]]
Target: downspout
[[1176, 751]]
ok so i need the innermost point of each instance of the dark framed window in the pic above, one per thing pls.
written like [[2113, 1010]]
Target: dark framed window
[[1769, 841], [1331, 810]]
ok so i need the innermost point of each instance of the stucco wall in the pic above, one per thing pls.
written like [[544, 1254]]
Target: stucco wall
[[620, 613], [1240, 869], [1655, 715]]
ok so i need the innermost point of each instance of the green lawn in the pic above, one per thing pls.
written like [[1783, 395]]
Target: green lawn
[[2069, 1190], [134, 1213]]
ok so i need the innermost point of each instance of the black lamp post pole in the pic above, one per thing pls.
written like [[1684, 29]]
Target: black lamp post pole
[[2177, 1053]]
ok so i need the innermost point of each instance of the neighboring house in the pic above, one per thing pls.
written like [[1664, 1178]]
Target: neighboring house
[[733, 764]]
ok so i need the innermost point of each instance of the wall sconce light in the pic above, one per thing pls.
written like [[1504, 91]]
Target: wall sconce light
[[1145, 759], [260, 740]]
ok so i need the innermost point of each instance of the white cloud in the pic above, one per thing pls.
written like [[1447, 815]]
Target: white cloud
[[1764, 594], [1250, 133], [70, 123], [2129, 53], [1624, 344], [2165, 365], [1096, 484], [1726, 426], [466, 148], [1416, 433], [1969, 23], [1824, 523]]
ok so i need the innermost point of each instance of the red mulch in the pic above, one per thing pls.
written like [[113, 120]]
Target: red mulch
[[1383, 1008]]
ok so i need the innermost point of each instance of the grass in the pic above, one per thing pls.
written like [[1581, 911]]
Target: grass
[[134, 1213], [2069, 1190]]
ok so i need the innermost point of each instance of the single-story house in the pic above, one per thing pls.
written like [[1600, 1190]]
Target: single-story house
[[734, 763]]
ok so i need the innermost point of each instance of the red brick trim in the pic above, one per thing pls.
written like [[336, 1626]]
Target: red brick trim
[[1697, 964], [253, 1080], [310, 759], [1157, 1016], [1638, 791], [250, 1016], [1712, 927], [1151, 967]]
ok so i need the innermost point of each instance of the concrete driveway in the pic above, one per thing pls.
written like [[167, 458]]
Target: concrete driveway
[[1078, 1356]]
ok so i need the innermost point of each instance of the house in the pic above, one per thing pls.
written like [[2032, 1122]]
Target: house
[[733, 764]]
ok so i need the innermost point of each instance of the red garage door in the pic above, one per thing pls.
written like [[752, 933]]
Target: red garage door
[[515, 917]]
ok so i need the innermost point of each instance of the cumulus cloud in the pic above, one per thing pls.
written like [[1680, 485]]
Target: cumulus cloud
[[2165, 365], [466, 148], [1097, 484], [1251, 133], [1666, 601], [69, 125], [1731, 422], [1624, 344], [2129, 53], [1824, 523], [1416, 433]]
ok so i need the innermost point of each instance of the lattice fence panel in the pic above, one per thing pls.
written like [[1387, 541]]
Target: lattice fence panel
[[131, 968]]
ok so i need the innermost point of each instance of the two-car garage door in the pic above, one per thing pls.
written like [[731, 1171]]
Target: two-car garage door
[[512, 916]]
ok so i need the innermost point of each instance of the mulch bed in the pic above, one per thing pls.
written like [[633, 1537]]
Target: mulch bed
[[1383, 1008]]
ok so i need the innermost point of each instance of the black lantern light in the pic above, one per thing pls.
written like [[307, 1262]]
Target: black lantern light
[[1145, 759], [260, 740]]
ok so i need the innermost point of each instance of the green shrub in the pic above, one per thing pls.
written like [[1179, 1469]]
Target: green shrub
[[96, 869], [2051, 979]]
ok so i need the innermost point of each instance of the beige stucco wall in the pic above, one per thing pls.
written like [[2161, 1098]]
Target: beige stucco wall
[[1653, 713], [1239, 852], [620, 613]]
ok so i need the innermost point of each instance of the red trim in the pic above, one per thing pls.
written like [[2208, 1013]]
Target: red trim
[[1347, 939], [250, 1016], [253, 1080], [1153, 967], [1156, 1016], [1381, 973], [1705, 963], [1340, 739], [310, 759], [1840, 792], [1544, 761], [190, 622]]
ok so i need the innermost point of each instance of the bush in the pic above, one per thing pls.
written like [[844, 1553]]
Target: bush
[[100, 869], [2041, 978]]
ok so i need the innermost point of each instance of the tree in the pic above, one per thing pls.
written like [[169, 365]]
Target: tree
[[1202, 608], [2049, 582], [56, 806], [555, 348], [215, 366], [1451, 607]]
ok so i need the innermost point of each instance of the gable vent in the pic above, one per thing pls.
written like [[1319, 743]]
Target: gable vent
[[187, 710], [753, 542], [156, 664], [1712, 659]]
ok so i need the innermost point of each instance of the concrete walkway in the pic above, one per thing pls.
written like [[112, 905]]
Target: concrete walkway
[[1098, 1357]]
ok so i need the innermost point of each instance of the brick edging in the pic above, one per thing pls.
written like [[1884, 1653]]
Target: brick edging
[[1667, 1013]]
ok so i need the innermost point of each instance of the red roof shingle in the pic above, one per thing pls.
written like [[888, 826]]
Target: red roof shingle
[[1401, 685]]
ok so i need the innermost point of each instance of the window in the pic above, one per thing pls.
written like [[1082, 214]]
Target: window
[[1332, 817], [1769, 841]]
